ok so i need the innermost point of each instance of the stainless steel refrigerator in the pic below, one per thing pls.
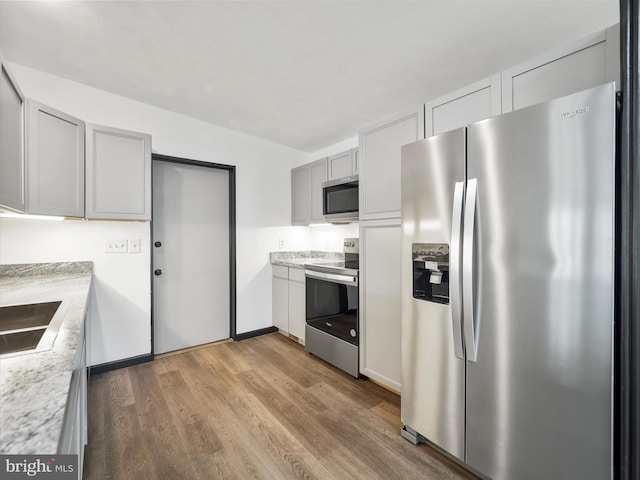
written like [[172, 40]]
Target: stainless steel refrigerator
[[508, 234]]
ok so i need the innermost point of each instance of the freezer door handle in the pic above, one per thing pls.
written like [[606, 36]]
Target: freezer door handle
[[468, 265], [454, 269]]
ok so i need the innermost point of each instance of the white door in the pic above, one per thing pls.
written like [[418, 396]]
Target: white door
[[190, 255]]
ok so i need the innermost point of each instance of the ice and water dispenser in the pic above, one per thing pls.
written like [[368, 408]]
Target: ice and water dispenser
[[431, 272]]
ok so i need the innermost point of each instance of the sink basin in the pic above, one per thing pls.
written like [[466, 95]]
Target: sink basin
[[25, 328], [20, 341], [16, 317]]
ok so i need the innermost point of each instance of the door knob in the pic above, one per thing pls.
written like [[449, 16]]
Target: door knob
[[158, 244], [157, 272]]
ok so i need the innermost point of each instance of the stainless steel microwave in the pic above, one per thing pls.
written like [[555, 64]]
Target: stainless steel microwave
[[340, 200]]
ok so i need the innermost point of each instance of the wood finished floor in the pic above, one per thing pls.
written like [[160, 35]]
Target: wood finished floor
[[260, 408]]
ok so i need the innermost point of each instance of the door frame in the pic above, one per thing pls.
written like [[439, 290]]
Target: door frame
[[231, 169]]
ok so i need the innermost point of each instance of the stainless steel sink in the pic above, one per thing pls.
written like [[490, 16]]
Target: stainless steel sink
[[29, 327]]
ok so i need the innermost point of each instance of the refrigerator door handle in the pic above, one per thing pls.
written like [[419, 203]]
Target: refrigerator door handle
[[468, 252], [454, 269]]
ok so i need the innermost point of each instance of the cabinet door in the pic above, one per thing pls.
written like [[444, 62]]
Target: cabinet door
[[82, 409], [579, 66], [280, 303], [300, 195], [380, 163], [340, 165], [380, 302], [355, 158], [467, 105], [118, 174], [12, 180], [318, 175], [297, 308], [55, 162]]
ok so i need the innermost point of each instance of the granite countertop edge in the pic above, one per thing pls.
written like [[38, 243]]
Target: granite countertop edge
[[34, 387]]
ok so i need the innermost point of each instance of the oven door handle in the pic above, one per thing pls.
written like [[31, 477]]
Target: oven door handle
[[350, 280]]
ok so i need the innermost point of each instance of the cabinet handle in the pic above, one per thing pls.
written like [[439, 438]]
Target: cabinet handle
[[157, 272]]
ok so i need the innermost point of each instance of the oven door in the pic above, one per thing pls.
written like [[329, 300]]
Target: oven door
[[332, 304]]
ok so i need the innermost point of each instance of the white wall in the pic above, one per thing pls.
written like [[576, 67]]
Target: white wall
[[330, 237], [263, 211], [120, 308]]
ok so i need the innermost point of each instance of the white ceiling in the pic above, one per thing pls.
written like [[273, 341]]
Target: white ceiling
[[306, 74]]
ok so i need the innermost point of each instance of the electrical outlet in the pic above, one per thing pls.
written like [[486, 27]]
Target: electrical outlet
[[281, 243], [116, 246], [134, 245]]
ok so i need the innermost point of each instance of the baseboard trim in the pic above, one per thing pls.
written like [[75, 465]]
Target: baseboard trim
[[127, 362], [380, 384], [254, 333]]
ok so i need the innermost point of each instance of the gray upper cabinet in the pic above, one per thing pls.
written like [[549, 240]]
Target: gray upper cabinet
[[343, 164], [318, 175], [118, 179], [300, 197], [467, 105], [54, 162], [306, 192], [585, 64], [12, 195], [340, 165], [379, 169]]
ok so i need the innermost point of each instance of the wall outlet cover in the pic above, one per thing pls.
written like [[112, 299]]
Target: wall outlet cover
[[134, 245]]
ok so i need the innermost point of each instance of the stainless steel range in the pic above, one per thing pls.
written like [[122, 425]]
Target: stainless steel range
[[331, 331]]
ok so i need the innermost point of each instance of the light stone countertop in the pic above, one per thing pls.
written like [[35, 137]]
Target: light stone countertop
[[34, 386], [297, 259]]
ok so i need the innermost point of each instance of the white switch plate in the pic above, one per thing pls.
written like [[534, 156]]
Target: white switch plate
[[116, 246], [134, 245]]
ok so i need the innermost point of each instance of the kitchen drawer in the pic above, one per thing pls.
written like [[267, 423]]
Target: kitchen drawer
[[280, 271], [296, 274]]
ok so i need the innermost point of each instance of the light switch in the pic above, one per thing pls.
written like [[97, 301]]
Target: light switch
[[116, 246]]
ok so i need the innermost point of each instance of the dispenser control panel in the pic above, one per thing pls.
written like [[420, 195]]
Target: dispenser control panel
[[431, 272]]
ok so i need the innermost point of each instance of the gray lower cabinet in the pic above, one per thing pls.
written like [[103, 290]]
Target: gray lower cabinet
[[74, 431], [118, 174], [306, 192], [297, 303], [54, 162], [380, 302], [288, 301], [280, 297], [12, 195]]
